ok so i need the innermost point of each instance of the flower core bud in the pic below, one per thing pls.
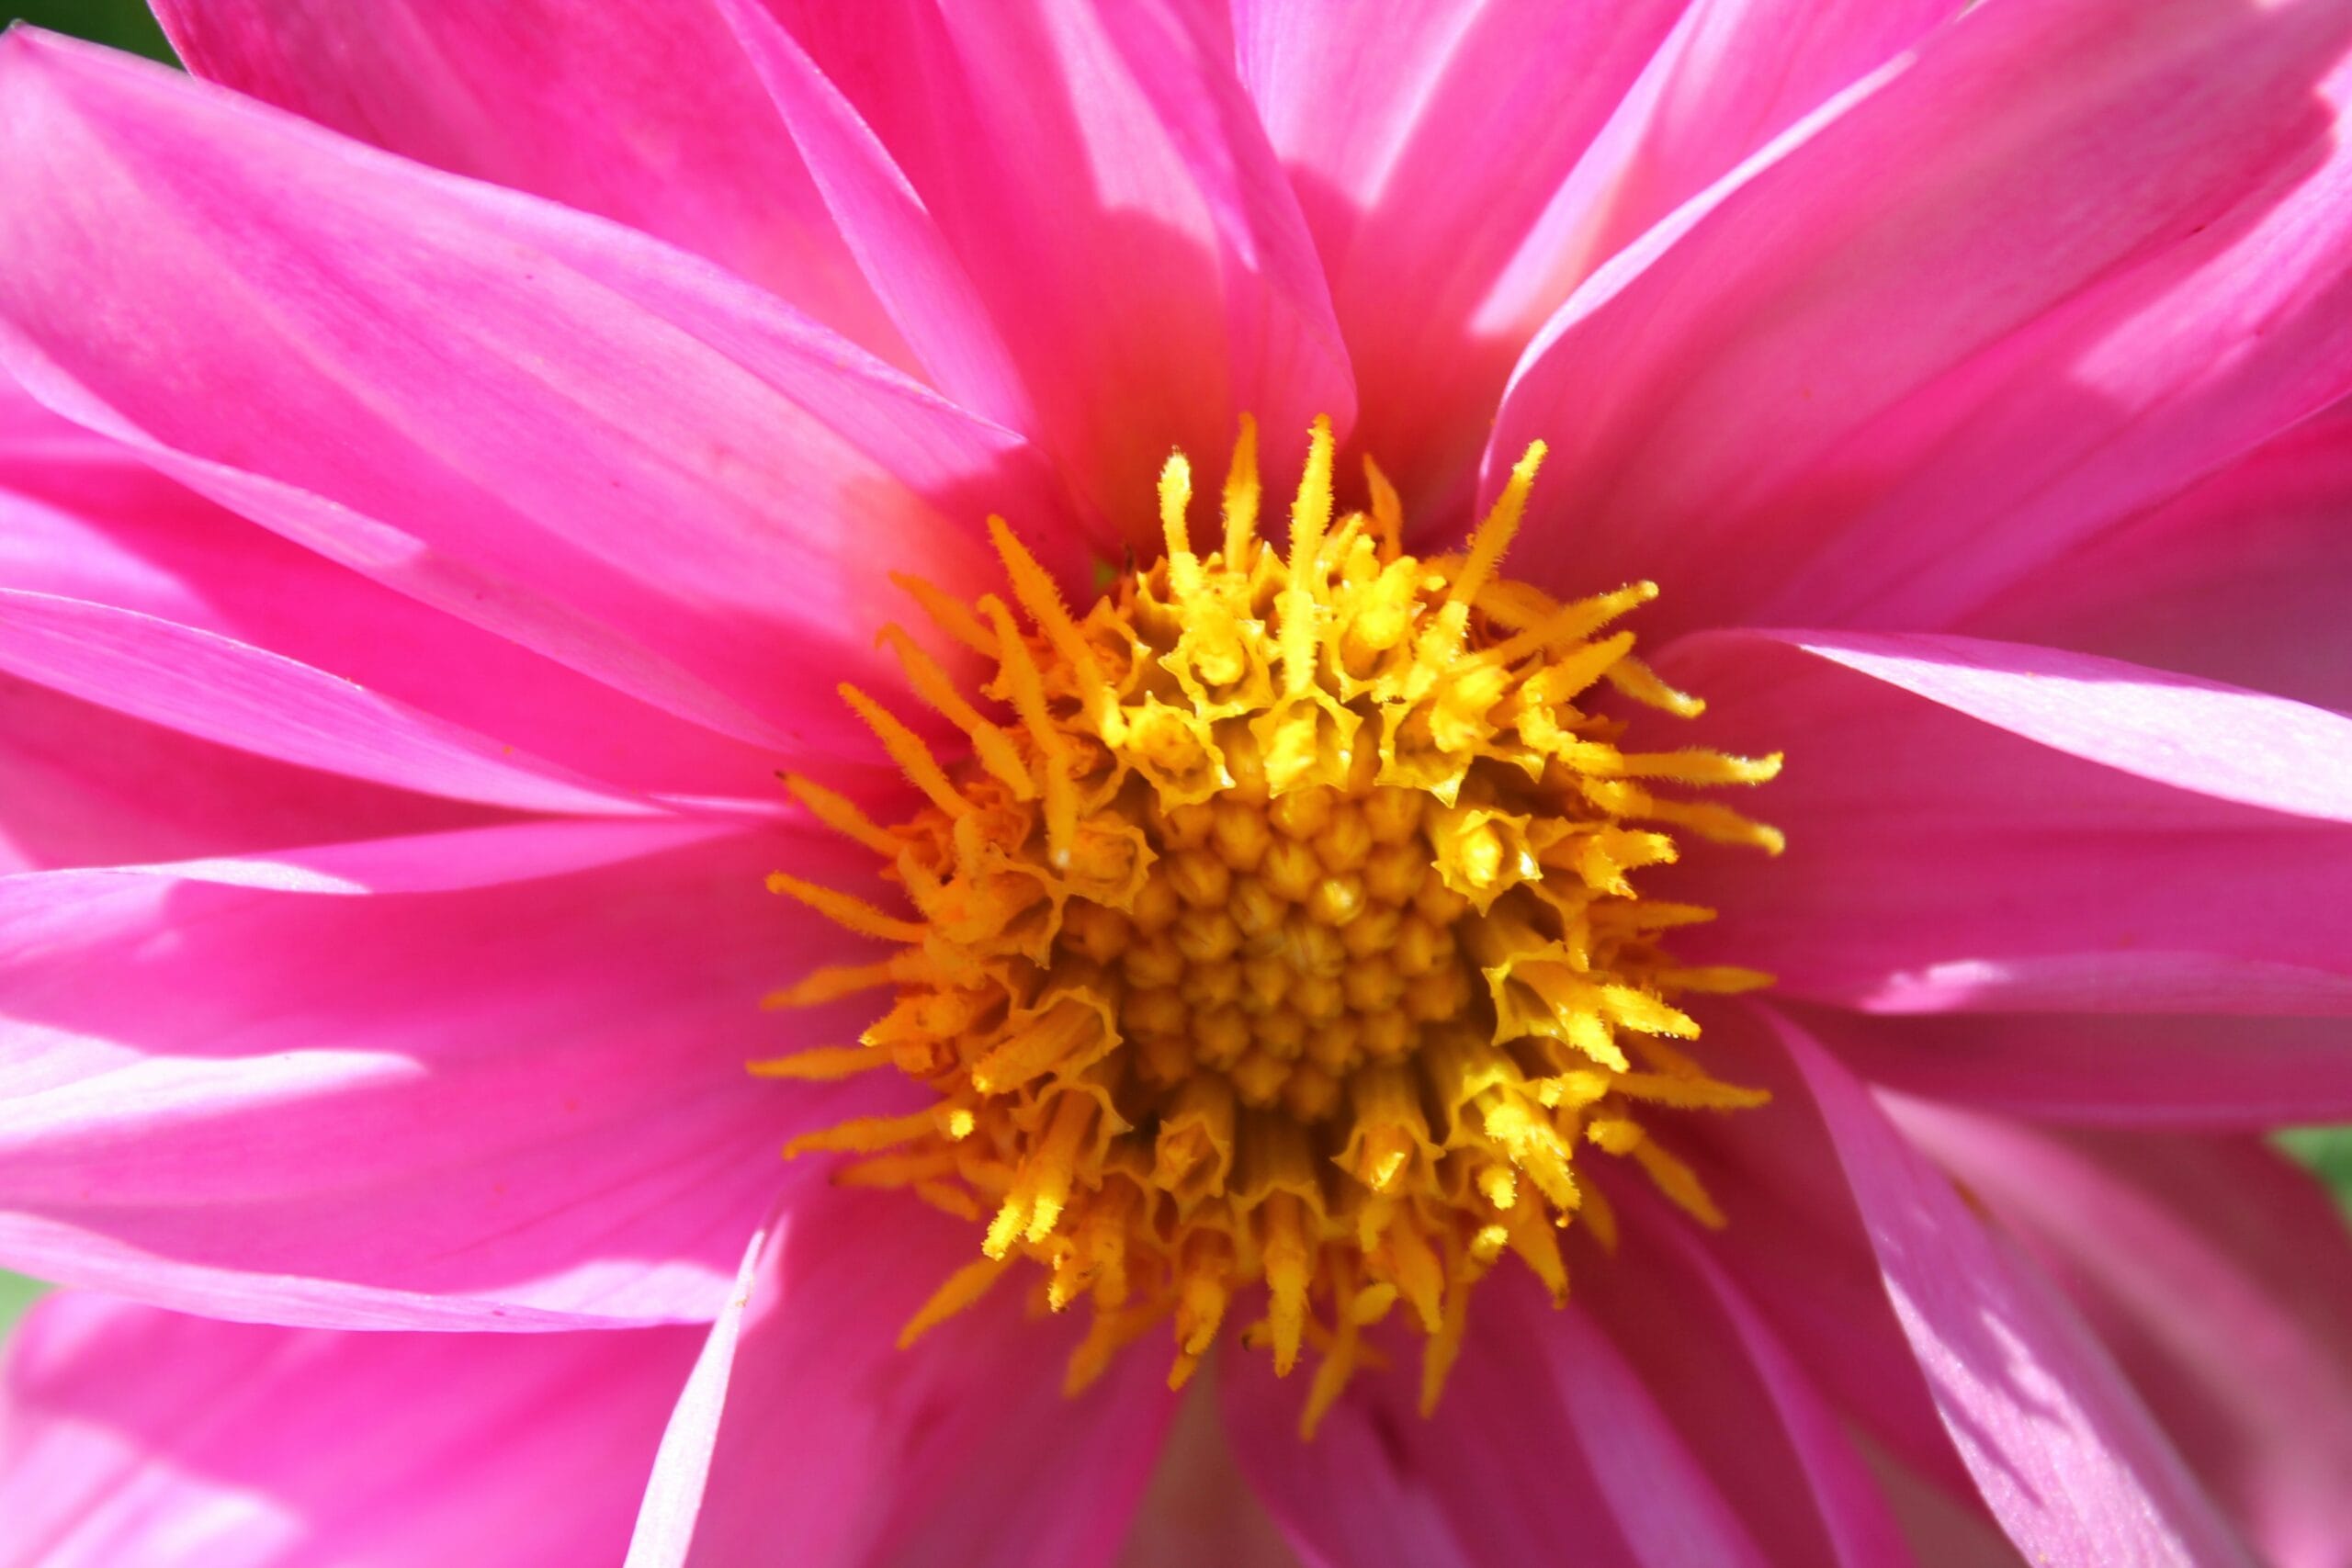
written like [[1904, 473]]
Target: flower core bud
[[1278, 930]]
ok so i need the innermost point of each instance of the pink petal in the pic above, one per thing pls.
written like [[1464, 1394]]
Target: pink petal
[[961, 1448], [1105, 183], [2243, 580], [1387, 131], [130, 1435], [2188, 1072], [2046, 273], [662, 127], [1796, 1250], [1753, 1415], [1732, 76], [1199, 1507], [2221, 741], [81, 518], [1439, 280], [2219, 1275], [2066, 1454], [1981, 825], [77, 787], [607, 451], [219, 690], [1545, 1436], [921, 282], [664, 1530], [463, 1099]]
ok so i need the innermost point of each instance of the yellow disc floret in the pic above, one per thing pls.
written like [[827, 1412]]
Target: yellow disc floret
[[1277, 929]]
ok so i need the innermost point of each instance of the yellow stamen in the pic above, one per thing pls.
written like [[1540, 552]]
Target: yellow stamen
[[1279, 929]]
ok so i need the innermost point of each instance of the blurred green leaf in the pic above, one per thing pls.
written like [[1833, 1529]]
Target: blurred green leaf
[[17, 1293], [2328, 1151], [125, 23]]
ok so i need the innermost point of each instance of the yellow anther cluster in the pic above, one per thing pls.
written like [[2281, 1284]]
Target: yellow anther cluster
[[1277, 931]]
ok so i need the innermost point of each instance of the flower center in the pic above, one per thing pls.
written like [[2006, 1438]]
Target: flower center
[[1278, 930]]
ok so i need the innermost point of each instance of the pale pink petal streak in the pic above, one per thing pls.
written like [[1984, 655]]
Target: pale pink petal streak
[[78, 787], [1732, 76], [131, 1434], [882, 219], [2221, 1275], [658, 123], [2066, 1455]]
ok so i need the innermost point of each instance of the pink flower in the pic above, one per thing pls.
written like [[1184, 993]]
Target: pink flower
[[418, 559]]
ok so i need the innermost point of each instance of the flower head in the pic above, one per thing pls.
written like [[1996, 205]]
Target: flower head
[[450, 587]]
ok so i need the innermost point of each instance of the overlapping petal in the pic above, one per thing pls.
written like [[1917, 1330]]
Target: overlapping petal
[[497, 1082], [1892, 366], [2155, 1070], [1102, 177], [81, 518], [560, 430], [246, 1446], [2241, 579], [1546, 1441], [2067, 1457], [2221, 1277], [1983, 825], [663, 127], [79, 786], [1439, 280], [960, 1449]]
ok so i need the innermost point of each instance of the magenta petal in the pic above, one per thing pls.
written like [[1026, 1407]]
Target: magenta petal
[[2064, 1452], [1729, 79], [81, 518], [1979, 825], [2221, 1276], [961, 1448], [218, 690], [1199, 1508], [608, 451], [1111, 196], [1753, 1415], [2045, 271], [921, 282], [1795, 1249], [662, 127], [133, 1436], [1378, 126], [77, 787], [1379, 1488], [1545, 1436], [2221, 741], [2152, 1070], [2241, 579], [457, 1100]]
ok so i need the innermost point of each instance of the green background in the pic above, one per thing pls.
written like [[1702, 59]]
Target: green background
[[126, 24], [123, 23]]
